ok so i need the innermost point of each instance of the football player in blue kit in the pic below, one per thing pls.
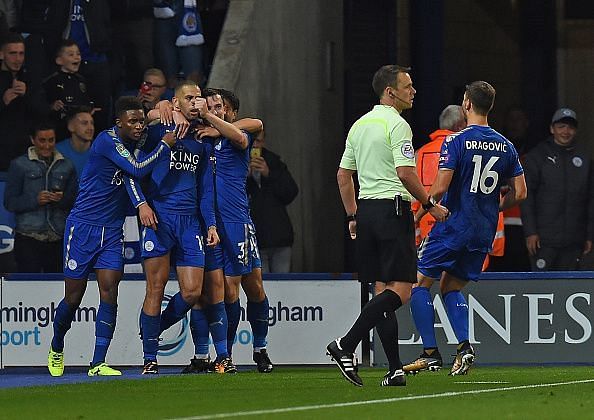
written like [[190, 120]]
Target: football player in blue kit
[[473, 165], [93, 238], [179, 190], [240, 257]]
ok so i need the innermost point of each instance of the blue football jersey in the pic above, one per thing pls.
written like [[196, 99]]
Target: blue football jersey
[[184, 182], [102, 198], [231, 170], [482, 161]]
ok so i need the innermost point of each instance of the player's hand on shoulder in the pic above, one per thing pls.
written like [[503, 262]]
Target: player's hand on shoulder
[[206, 131], [181, 124], [147, 216], [212, 238], [439, 212], [169, 138], [165, 110]]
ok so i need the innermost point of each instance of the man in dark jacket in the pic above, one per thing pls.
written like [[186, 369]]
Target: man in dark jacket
[[271, 188], [558, 215], [21, 101], [40, 190]]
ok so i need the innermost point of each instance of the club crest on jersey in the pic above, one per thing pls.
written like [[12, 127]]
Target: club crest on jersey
[[122, 150], [72, 264], [149, 246], [408, 150], [577, 161]]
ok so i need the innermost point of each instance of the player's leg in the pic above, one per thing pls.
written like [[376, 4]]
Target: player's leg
[[108, 281], [467, 267], [81, 246], [214, 291], [233, 309], [74, 290], [157, 275], [257, 315]]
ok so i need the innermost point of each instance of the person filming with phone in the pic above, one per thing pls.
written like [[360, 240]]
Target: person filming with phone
[[40, 190], [271, 188]]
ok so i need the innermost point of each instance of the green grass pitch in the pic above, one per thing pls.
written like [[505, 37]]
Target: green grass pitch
[[317, 392]]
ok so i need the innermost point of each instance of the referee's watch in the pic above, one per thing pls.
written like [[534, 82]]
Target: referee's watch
[[429, 204]]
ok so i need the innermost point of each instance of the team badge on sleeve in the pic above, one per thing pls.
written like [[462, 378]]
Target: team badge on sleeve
[[122, 150], [408, 150]]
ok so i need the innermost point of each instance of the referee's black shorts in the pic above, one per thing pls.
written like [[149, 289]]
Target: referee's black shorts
[[386, 248]]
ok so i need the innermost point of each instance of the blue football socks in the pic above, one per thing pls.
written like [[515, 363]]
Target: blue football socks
[[104, 327], [176, 310], [62, 323], [233, 316], [421, 307], [457, 310], [218, 326], [199, 329], [257, 315], [150, 335]]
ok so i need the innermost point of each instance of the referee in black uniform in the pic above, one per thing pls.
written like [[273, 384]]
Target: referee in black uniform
[[379, 148]]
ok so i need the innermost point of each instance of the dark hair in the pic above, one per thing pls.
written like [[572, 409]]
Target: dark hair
[[74, 111], [231, 97], [387, 76], [41, 125], [65, 44], [481, 95], [127, 103], [183, 84], [211, 92], [12, 38]]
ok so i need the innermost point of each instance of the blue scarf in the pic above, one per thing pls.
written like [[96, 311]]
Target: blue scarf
[[190, 30]]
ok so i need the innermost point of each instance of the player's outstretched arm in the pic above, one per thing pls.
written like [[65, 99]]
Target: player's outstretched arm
[[251, 125], [116, 152]]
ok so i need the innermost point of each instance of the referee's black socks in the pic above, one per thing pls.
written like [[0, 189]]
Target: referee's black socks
[[371, 315]]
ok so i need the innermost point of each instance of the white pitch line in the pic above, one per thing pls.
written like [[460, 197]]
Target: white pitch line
[[382, 401], [481, 382]]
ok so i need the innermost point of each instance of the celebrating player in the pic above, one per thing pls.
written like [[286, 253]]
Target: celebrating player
[[93, 235], [473, 166]]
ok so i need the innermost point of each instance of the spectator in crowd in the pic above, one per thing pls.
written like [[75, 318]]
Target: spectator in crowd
[[271, 188], [558, 215], [153, 89], [66, 89], [81, 127], [40, 190], [88, 24], [178, 40], [21, 102]]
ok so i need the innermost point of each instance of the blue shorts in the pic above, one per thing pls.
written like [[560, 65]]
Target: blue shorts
[[238, 252], [176, 233], [435, 258], [88, 247]]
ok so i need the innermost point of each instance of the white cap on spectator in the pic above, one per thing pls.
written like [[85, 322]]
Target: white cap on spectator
[[564, 113]]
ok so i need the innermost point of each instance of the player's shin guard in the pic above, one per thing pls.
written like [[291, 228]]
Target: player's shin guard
[[421, 307], [62, 323], [199, 329], [104, 327], [176, 310], [218, 326], [233, 315], [371, 314], [150, 335], [457, 310], [257, 315], [387, 329]]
